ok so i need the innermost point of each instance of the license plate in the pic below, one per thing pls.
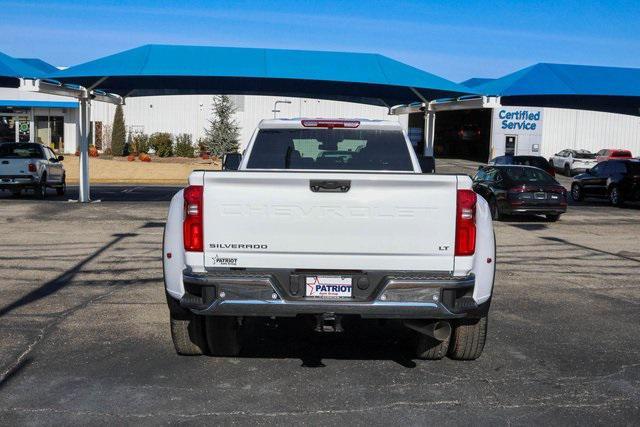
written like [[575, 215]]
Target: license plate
[[329, 287], [540, 196]]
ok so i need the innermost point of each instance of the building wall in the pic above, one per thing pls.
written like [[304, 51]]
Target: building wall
[[191, 113], [71, 131], [558, 129], [589, 130], [525, 123]]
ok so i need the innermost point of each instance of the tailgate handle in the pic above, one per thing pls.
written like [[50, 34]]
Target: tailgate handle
[[5, 162], [320, 186]]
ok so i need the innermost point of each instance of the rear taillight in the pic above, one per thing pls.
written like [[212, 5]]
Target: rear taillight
[[465, 223], [192, 228], [32, 168]]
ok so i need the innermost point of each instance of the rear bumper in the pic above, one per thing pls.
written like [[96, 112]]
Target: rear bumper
[[17, 181], [580, 169], [536, 211], [393, 295], [533, 209]]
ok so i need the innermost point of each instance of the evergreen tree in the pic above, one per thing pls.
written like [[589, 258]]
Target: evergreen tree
[[223, 134], [119, 133]]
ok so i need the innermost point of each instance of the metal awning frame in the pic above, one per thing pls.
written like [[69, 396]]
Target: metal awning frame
[[429, 109], [84, 97]]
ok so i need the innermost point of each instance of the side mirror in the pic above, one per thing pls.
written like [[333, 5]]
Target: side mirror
[[427, 164], [60, 158], [231, 161]]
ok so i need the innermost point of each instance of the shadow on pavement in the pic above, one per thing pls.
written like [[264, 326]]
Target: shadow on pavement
[[62, 280], [362, 339], [589, 248], [105, 193]]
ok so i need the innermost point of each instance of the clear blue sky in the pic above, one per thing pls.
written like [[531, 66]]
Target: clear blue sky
[[454, 39]]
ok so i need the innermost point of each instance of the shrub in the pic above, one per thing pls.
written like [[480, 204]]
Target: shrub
[[108, 152], [93, 151], [128, 146], [223, 133], [131, 158], [162, 143], [119, 133], [140, 142], [184, 145], [144, 157]]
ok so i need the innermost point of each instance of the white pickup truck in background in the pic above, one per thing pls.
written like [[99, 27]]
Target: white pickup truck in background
[[329, 218], [30, 166]]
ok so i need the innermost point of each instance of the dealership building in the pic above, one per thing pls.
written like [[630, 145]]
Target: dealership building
[[472, 127]]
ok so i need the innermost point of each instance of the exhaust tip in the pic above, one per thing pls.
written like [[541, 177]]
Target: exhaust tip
[[440, 330]]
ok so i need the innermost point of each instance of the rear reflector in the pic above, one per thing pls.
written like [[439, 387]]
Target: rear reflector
[[465, 223], [192, 227], [331, 123]]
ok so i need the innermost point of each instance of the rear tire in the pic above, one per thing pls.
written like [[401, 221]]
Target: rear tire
[[429, 348], [41, 188], [63, 186], [615, 196], [223, 335], [187, 330], [468, 338], [576, 193], [495, 210], [552, 217]]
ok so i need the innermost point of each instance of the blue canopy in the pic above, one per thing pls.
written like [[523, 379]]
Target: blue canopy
[[12, 68], [475, 82], [171, 70], [610, 89], [38, 63]]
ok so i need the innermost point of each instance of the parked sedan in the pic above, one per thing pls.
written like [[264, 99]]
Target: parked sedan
[[535, 161], [572, 162], [617, 180], [612, 154], [30, 166], [520, 190]]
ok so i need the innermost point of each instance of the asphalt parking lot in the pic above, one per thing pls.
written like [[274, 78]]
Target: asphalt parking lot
[[85, 337]]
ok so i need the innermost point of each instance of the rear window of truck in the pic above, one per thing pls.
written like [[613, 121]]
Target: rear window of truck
[[20, 151], [330, 149]]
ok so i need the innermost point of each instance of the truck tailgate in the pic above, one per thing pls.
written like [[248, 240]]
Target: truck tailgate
[[385, 221], [13, 167]]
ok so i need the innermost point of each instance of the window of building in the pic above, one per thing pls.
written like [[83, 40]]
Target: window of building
[[50, 131], [7, 128]]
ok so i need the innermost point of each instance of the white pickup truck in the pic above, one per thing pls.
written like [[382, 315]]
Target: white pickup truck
[[326, 219], [30, 166]]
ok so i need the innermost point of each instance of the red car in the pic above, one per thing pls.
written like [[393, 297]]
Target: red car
[[612, 154]]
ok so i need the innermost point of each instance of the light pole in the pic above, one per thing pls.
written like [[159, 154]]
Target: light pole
[[275, 107]]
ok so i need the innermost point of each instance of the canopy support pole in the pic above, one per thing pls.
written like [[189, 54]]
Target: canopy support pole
[[85, 124], [429, 132], [84, 97], [429, 124]]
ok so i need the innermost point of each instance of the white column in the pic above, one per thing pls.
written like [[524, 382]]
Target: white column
[[429, 132], [85, 122]]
